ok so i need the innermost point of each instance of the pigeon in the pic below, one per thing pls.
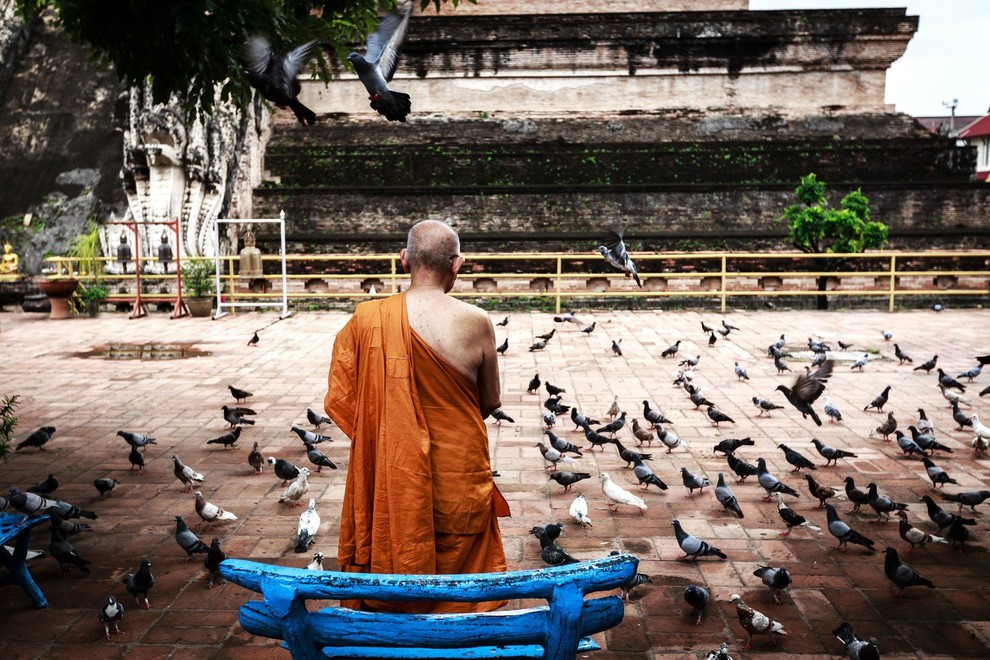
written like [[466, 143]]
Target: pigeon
[[856, 648], [861, 362], [376, 67], [642, 435], [957, 534], [616, 255], [717, 416], [568, 479], [927, 366], [296, 489], [579, 511], [104, 485], [654, 416], [697, 597], [844, 533], [795, 458], [924, 424], [316, 419], [979, 428], [856, 495], [820, 492], [646, 476], [806, 389], [777, 579], [699, 400], [755, 623], [690, 361], [780, 365], [308, 437], [671, 350], [961, 418], [139, 584], [561, 445], [28, 503], [256, 460], [212, 562], [613, 409], [692, 546], [732, 444], [111, 614], [927, 441], [237, 416], [726, 498], [46, 486], [534, 385], [567, 317], [187, 540], [185, 474], [284, 470], [549, 420], [596, 439], [901, 574], [239, 394], [504, 322], [938, 476], [770, 483], [547, 533], [880, 401], [832, 411], [137, 440], [613, 427], [499, 416], [881, 504], [949, 382], [712, 339], [693, 481], [887, 427], [616, 349], [66, 527], [971, 498], [723, 651], [318, 458], [554, 555], [669, 439], [253, 341], [275, 78], [791, 518], [741, 468], [728, 326], [228, 440], [136, 459], [844, 346], [309, 525], [630, 456], [211, 513], [616, 494], [741, 372], [63, 552], [971, 373], [317, 563], [554, 405], [66, 510], [907, 445], [588, 329], [503, 347], [547, 337], [636, 580], [553, 390], [901, 355], [830, 454], [37, 439], [887, 335], [913, 535], [765, 406], [552, 456]]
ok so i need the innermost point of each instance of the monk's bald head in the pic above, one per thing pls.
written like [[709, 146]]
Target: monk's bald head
[[432, 245]]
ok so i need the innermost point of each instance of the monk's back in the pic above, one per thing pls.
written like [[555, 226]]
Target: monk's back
[[450, 327]]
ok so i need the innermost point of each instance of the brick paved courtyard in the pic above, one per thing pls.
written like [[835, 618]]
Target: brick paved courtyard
[[88, 399]]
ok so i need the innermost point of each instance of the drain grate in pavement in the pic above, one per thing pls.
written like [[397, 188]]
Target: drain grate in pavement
[[149, 351]]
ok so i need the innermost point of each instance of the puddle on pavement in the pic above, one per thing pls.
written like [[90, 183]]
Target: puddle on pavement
[[150, 351]]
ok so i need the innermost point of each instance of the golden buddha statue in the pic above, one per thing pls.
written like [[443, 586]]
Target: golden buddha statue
[[10, 263], [250, 257]]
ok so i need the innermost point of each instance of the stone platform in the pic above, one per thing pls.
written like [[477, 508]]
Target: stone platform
[[88, 399]]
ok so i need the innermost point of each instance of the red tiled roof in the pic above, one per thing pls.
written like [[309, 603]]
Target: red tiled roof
[[978, 128]]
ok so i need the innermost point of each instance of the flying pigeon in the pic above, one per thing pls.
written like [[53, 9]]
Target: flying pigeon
[[692, 546], [844, 533], [185, 474], [139, 584], [726, 498], [318, 458], [38, 438], [187, 540], [212, 562], [791, 518], [579, 511], [770, 483], [856, 648], [275, 78], [237, 416], [256, 460], [901, 574], [284, 470], [568, 479], [755, 623], [309, 525], [238, 394], [211, 513], [616, 255], [806, 389], [104, 485], [616, 494], [913, 535], [830, 454], [137, 440], [820, 492], [296, 489], [111, 614], [777, 579], [228, 440], [697, 597], [378, 64]]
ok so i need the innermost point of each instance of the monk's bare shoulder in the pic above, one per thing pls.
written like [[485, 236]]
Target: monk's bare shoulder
[[478, 317]]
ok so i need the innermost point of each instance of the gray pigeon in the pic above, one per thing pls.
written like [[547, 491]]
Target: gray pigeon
[[615, 254], [212, 563], [275, 76], [137, 440], [37, 439], [45, 487], [140, 583], [692, 546], [697, 597], [693, 481], [830, 454], [646, 476], [187, 540], [185, 474], [316, 419], [318, 458], [902, 575], [104, 485], [777, 579], [28, 503], [378, 64], [310, 437], [64, 553], [111, 614], [726, 498], [844, 533], [770, 483], [796, 458], [856, 648], [136, 458], [938, 476]]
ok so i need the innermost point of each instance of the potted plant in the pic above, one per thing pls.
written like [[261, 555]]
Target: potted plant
[[91, 295], [197, 284]]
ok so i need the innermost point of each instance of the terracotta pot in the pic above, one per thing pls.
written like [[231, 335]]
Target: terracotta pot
[[59, 292], [199, 307]]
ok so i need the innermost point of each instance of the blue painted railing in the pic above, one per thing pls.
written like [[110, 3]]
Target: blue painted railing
[[555, 631], [16, 527]]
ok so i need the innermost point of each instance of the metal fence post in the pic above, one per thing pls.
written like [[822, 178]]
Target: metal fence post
[[723, 284], [560, 272], [893, 281]]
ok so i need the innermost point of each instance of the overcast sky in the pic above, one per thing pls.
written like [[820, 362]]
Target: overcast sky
[[947, 59]]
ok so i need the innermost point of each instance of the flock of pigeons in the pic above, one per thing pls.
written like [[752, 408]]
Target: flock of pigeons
[[805, 394], [66, 518]]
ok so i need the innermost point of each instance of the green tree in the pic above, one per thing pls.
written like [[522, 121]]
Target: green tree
[[817, 228], [191, 47]]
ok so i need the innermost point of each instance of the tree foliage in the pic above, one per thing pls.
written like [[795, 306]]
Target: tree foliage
[[815, 227], [192, 47]]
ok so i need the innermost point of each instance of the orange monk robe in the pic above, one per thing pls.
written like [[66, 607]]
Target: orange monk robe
[[419, 493]]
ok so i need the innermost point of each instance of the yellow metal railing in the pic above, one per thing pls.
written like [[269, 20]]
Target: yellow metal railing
[[567, 276]]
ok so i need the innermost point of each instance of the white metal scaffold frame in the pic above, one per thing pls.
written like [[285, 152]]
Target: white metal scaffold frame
[[284, 303]]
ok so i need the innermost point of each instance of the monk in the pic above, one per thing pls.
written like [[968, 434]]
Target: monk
[[412, 379]]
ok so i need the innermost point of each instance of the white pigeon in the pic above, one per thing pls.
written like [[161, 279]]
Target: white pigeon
[[210, 513], [296, 489], [309, 524], [616, 494], [579, 511], [951, 395], [317, 563], [980, 440]]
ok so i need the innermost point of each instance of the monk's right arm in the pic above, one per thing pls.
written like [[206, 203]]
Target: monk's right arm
[[489, 390]]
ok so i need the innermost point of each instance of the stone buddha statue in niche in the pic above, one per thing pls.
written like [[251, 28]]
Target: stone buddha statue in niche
[[10, 263]]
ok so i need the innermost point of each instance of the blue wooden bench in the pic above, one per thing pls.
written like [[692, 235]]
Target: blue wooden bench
[[557, 630], [17, 527]]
